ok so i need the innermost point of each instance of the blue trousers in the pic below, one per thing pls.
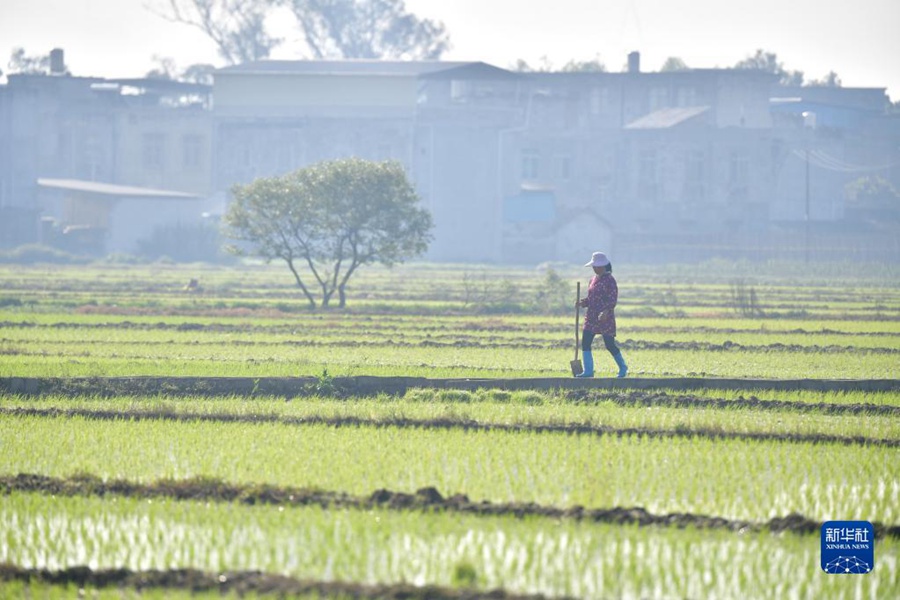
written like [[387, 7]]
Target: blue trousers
[[587, 338]]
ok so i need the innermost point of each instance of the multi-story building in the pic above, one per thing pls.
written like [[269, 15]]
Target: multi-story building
[[522, 167], [641, 161], [443, 121], [98, 164], [515, 167]]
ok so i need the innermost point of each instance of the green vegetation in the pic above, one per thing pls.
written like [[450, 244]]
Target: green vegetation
[[646, 411], [328, 219], [530, 555], [416, 320], [732, 455], [753, 480]]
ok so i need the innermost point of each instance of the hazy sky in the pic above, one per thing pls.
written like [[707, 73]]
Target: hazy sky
[[859, 40]]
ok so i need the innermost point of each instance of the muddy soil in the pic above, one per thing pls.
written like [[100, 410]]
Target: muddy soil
[[241, 583]]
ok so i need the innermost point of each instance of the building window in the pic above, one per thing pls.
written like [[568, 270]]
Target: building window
[[687, 96], [64, 151], [659, 98], [648, 176], [530, 164], [459, 90], [695, 177], [153, 150], [738, 176], [192, 151], [599, 100]]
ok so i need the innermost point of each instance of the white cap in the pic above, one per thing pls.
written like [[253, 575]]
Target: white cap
[[598, 260]]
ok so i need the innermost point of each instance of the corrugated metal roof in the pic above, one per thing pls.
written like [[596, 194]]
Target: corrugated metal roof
[[110, 189], [667, 117]]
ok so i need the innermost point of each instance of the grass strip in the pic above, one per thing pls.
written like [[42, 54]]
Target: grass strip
[[745, 479], [663, 399], [521, 407], [460, 423], [28, 345], [424, 499], [558, 557]]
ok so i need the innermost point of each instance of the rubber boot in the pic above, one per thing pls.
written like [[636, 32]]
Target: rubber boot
[[587, 357], [623, 368]]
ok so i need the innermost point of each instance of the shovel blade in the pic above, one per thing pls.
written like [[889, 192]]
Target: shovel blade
[[577, 369]]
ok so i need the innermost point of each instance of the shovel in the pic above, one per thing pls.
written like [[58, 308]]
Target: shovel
[[577, 369]]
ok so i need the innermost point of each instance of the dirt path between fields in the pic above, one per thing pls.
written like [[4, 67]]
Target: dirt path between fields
[[244, 583], [363, 385]]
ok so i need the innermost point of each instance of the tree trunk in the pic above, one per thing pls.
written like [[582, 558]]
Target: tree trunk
[[309, 297], [326, 297]]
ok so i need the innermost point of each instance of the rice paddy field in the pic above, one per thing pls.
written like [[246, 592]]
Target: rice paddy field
[[701, 475]]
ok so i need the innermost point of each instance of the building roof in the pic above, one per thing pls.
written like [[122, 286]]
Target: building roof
[[110, 189], [166, 86], [402, 68], [680, 75], [340, 67], [667, 117], [872, 99]]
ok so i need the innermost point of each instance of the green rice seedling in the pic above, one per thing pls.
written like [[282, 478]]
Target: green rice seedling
[[528, 397], [115, 321], [485, 395], [526, 408], [453, 396], [217, 361], [534, 555], [733, 478]]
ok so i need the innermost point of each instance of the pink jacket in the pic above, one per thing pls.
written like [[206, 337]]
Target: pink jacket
[[600, 317]]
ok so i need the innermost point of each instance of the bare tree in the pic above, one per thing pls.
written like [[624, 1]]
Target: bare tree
[[367, 29], [236, 26]]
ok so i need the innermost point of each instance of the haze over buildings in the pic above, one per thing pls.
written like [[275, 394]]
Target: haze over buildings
[[515, 167]]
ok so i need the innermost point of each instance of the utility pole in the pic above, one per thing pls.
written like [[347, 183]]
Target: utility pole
[[809, 126], [806, 212]]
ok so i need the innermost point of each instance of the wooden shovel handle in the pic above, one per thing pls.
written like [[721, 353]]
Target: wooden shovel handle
[[577, 300]]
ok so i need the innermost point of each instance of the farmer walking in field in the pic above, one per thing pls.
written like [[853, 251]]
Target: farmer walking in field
[[600, 317]]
